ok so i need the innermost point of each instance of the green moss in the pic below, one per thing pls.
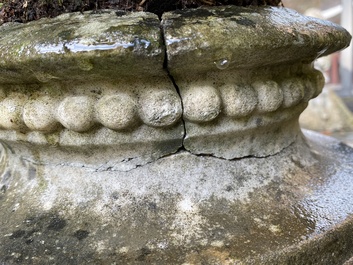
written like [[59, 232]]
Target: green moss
[[38, 170], [53, 138]]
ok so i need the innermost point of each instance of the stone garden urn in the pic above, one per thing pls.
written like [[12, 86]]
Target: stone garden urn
[[130, 140]]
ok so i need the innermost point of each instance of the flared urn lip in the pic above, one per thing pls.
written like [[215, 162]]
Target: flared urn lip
[[246, 37], [195, 40]]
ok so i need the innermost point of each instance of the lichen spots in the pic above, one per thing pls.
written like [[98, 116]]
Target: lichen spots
[[84, 64], [81, 234], [56, 223], [17, 234]]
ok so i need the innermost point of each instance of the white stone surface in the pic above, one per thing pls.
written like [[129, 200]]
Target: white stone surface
[[117, 111]]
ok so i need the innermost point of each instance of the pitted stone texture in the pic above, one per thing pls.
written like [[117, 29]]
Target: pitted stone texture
[[293, 92], [112, 87], [313, 85], [201, 102], [11, 109], [160, 108], [238, 100], [318, 80], [269, 94], [180, 209], [118, 111], [39, 114], [349, 262], [120, 195], [76, 113]]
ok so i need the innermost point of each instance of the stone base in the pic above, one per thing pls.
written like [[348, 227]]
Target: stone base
[[289, 208]]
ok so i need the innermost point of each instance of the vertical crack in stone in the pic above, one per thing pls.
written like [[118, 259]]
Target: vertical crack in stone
[[165, 66]]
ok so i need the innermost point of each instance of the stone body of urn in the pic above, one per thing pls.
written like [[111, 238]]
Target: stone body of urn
[[130, 140]]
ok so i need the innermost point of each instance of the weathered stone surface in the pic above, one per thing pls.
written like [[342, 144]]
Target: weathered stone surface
[[88, 80], [285, 209], [237, 113], [208, 39], [239, 69], [84, 47], [104, 161], [109, 79]]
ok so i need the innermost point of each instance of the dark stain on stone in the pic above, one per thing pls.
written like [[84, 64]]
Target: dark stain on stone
[[152, 206], [96, 91], [115, 195], [30, 234], [229, 188], [199, 13], [7, 175], [342, 147], [3, 189], [17, 234], [66, 34], [297, 161], [258, 122], [144, 253], [120, 13], [29, 241], [231, 11], [244, 22], [241, 180], [81, 234], [32, 171], [277, 131], [56, 223]]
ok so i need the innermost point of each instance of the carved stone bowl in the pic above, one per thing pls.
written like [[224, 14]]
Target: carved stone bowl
[[130, 140]]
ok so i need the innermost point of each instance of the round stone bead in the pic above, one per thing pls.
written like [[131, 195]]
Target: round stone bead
[[11, 109], [39, 114], [116, 111], [309, 89], [269, 95], [293, 92], [238, 100], [319, 81], [201, 103], [160, 108], [76, 113]]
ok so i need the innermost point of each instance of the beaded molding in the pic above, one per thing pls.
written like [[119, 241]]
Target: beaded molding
[[80, 113], [120, 110]]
